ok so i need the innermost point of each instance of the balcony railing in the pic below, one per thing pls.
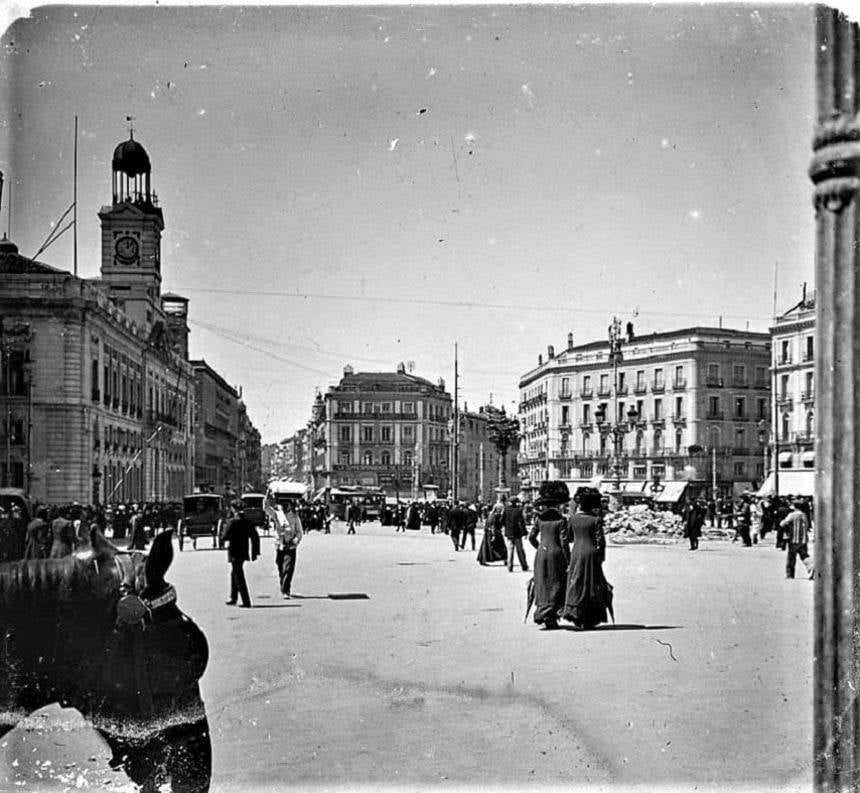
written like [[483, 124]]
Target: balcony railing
[[658, 388], [604, 391], [565, 395], [804, 437], [655, 422], [585, 425], [621, 390], [714, 382], [740, 383], [784, 399], [679, 383], [640, 388], [679, 418], [715, 415], [808, 396], [586, 393]]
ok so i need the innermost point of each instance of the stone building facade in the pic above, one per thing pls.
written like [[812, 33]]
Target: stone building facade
[[389, 430], [478, 458], [691, 405], [97, 391], [218, 467]]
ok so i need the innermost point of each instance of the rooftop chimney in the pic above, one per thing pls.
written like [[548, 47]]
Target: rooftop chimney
[[550, 352], [540, 360], [348, 370], [570, 341], [401, 368]]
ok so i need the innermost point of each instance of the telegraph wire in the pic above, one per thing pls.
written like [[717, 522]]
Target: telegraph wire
[[413, 301]]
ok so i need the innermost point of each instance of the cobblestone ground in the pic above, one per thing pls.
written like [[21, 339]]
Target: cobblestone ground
[[434, 681]]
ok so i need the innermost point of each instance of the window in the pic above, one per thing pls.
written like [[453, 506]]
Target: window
[[679, 376], [386, 458], [739, 374], [367, 434], [94, 380], [713, 407], [586, 383], [344, 407], [658, 410], [679, 440], [640, 439], [386, 407], [740, 408], [586, 414], [345, 431], [809, 385], [761, 408], [714, 374], [367, 459], [604, 384], [565, 387], [784, 428], [679, 407], [565, 415], [658, 378], [783, 387], [622, 385], [640, 379], [407, 433], [408, 407], [785, 352], [640, 406], [640, 472], [810, 424], [407, 458], [739, 469], [658, 440], [386, 434], [344, 457], [760, 376], [810, 348]]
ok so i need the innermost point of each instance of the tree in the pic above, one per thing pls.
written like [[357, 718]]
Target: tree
[[504, 432]]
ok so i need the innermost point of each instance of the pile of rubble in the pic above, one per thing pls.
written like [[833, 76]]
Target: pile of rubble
[[641, 524]]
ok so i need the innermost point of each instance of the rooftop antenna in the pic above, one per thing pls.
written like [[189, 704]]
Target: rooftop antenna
[[775, 273]]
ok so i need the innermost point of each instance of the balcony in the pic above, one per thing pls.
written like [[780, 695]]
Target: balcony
[[604, 391], [741, 417], [679, 418], [655, 422], [585, 425], [658, 388], [714, 382], [784, 360], [784, 400], [804, 437], [807, 396], [741, 451], [565, 395], [640, 388], [740, 383], [679, 383], [621, 390], [586, 393], [807, 357], [715, 415], [762, 385]]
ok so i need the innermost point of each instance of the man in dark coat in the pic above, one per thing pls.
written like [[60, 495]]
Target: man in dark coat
[[694, 519], [470, 523], [456, 523], [353, 516], [238, 536], [514, 527]]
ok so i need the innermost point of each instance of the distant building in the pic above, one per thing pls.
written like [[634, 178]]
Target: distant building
[[478, 458], [693, 403], [387, 429], [793, 428], [217, 438]]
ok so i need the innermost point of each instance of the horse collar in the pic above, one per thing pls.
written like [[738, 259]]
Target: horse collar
[[132, 609]]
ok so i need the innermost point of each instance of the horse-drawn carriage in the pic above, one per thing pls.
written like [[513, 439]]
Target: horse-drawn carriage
[[255, 510], [202, 516]]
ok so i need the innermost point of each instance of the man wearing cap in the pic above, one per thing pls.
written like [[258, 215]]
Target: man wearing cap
[[515, 529], [290, 534], [240, 532], [797, 530]]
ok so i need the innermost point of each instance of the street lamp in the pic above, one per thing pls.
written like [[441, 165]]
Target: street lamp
[[619, 427]]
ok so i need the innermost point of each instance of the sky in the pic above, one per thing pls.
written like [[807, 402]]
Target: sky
[[369, 185]]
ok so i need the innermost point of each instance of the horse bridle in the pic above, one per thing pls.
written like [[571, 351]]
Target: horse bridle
[[131, 608]]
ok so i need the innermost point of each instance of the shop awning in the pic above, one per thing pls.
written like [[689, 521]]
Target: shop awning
[[672, 492], [791, 483], [785, 457]]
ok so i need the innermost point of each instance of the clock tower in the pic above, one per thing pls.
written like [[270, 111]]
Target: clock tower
[[131, 237]]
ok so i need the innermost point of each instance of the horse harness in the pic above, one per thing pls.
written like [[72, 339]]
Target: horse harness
[[133, 614]]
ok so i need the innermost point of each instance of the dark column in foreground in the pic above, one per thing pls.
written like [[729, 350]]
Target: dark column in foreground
[[835, 172]]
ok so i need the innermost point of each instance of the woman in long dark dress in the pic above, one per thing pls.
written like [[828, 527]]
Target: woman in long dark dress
[[493, 548], [549, 536], [589, 594]]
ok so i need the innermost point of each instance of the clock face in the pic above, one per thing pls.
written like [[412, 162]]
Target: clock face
[[127, 249]]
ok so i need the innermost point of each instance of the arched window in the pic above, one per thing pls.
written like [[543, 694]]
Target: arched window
[[368, 458], [407, 458]]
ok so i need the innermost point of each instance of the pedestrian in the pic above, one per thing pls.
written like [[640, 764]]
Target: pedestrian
[[137, 530], [456, 523], [514, 528], [796, 525], [493, 543], [243, 544], [781, 512], [756, 518], [290, 533], [588, 598], [353, 516], [470, 523], [39, 538], [550, 537], [62, 536], [744, 520], [694, 519], [432, 517], [413, 517]]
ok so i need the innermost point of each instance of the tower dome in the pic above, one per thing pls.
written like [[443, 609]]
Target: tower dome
[[131, 170], [131, 158]]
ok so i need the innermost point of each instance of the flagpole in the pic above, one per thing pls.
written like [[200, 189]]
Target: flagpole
[[75, 203]]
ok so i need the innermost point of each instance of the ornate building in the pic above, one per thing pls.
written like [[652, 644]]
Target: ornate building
[[793, 430], [387, 429], [687, 405], [97, 389]]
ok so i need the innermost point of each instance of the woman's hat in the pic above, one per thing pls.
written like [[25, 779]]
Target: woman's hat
[[551, 494]]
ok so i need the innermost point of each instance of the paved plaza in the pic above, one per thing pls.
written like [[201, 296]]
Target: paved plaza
[[420, 672]]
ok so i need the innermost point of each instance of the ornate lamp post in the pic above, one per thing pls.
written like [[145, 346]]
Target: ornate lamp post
[[618, 428], [504, 432]]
